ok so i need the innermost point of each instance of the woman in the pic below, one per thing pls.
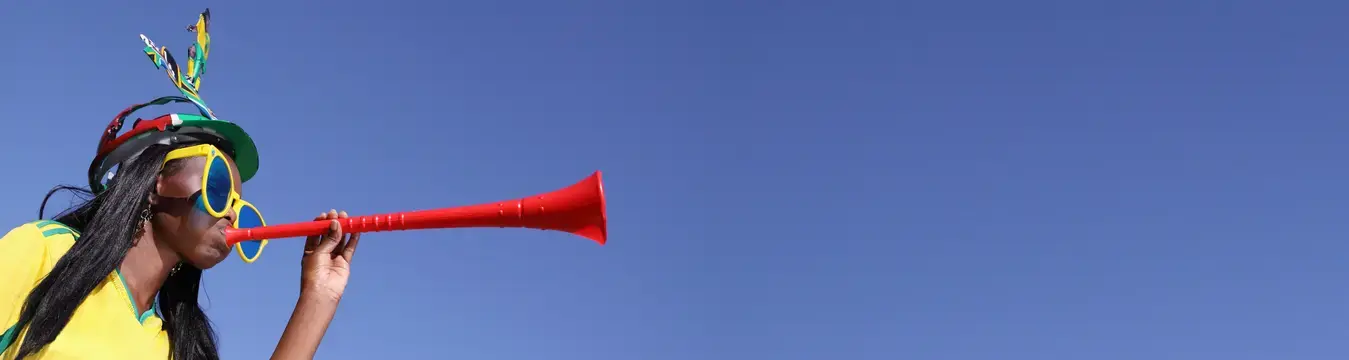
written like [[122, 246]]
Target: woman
[[86, 284]]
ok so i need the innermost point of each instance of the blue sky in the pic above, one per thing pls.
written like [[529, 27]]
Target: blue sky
[[796, 180]]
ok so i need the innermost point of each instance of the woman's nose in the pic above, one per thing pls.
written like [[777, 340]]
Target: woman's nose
[[231, 215]]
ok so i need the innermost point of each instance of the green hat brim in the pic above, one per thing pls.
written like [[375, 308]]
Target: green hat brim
[[245, 151]]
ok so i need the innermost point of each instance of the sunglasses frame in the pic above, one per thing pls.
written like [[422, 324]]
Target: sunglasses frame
[[233, 202], [239, 204]]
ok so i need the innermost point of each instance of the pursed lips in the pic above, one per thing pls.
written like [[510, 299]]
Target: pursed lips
[[221, 226]]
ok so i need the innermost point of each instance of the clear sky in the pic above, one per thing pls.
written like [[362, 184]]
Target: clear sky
[[786, 180]]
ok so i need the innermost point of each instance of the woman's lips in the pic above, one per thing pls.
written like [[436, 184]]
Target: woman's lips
[[221, 226]]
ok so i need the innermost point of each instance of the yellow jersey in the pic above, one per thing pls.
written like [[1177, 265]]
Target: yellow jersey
[[107, 325]]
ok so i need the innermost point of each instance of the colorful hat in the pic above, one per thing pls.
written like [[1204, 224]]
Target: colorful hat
[[174, 128]]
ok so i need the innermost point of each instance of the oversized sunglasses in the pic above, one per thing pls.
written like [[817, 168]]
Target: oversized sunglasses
[[217, 196]]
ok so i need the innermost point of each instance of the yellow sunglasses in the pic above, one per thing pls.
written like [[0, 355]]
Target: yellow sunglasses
[[217, 196]]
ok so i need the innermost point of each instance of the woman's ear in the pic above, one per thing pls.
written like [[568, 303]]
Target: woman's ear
[[159, 188]]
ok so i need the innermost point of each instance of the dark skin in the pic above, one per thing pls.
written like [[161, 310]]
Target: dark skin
[[177, 232]]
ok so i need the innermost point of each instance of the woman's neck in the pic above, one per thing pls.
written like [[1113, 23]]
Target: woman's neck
[[145, 268]]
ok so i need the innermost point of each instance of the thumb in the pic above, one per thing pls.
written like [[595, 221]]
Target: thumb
[[330, 240]]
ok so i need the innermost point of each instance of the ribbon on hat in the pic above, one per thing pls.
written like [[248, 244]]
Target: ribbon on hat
[[189, 81]]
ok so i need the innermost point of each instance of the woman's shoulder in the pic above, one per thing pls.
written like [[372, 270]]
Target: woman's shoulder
[[41, 229], [28, 251], [43, 236]]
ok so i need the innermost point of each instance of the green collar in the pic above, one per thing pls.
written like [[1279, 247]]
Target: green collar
[[140, 316]]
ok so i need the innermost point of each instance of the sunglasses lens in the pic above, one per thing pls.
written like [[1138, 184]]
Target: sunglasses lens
[[219, 183], [248, 218]]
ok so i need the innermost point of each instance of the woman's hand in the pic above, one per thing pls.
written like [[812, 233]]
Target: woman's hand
[[323, 276], [327, 260]]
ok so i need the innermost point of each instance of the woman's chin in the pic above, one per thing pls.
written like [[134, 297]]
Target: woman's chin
[[220, 255], [210, 261], [210, 254]]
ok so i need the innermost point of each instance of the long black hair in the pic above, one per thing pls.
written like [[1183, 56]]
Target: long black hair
[[108, 223]]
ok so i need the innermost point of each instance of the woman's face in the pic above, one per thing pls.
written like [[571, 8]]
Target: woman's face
[[197, 237]]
